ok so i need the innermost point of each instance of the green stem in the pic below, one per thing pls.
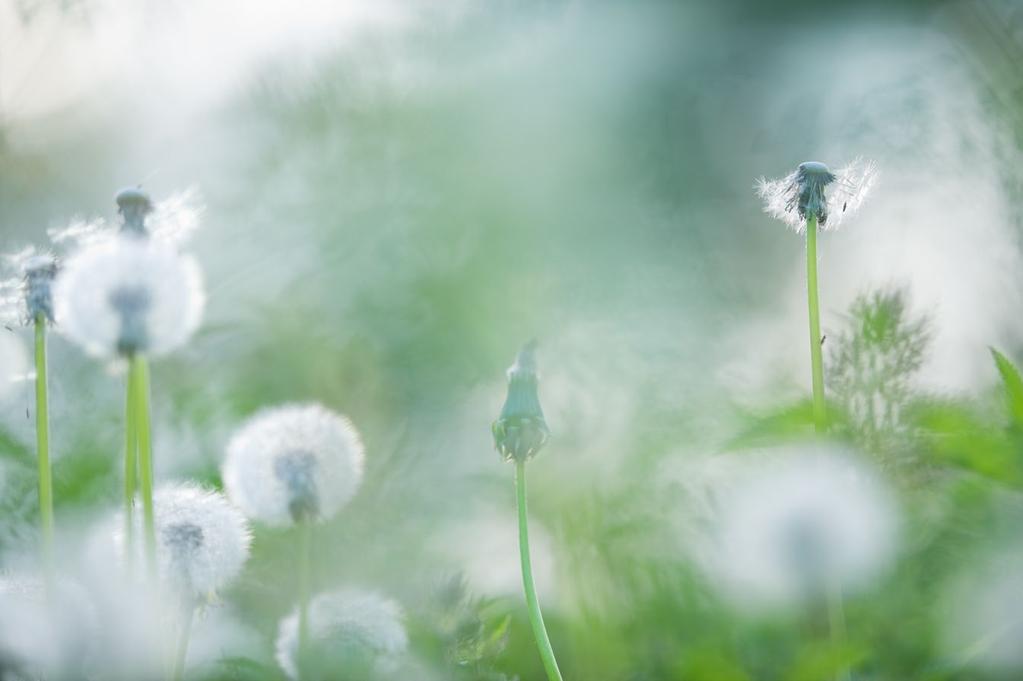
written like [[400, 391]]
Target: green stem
[[139, 376], [820, 414], [305, 550], [836, 625], [184, 633], [130, 473], [43, 451], [535, 616]]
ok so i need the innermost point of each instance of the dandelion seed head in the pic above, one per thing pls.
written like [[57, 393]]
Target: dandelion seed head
[[798, 525], [294, 461], [813, 189], [345, 625], [134, 205], [202, 540], [129, 295], [520, 431]]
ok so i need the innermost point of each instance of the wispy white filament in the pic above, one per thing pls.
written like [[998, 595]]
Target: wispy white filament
[[800, 525], [293, 461], [345, 623], [202, 540], [13, 362], [129, 294], [173, 221], [843, 195]]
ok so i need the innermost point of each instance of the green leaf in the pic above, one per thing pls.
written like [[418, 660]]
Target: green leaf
[[1013, 383]]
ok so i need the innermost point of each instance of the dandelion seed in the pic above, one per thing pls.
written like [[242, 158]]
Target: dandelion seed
[[202, 540], [799, 525], [292, 463], [815, 190], [129, 296], [348, 628]]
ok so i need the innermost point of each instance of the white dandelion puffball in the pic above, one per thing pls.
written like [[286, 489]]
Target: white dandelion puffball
[[814, 189], [202, 541], [129, 294], [345, 626], [981, 625], [801, 525], [13, 362], [293, 462]]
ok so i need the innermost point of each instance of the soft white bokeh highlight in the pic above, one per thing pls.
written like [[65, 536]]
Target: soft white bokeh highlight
[[251, 468], [13, 362]]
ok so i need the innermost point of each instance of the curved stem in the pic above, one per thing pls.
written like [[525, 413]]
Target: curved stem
[[184, 633], [43, 451], [304, 588], [139, 375], [535, 616], [820, 414], [130, 473]]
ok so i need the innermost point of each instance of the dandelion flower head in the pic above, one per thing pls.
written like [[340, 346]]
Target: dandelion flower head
[[814, 190]]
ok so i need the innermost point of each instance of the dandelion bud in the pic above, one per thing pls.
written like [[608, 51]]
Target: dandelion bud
[[40, 271], [127, 296], [521, 430], [814, 190], [351, 629], [134, 205], [202, 540], [293, 463]]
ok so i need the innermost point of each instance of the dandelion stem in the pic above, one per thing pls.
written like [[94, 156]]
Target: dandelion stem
[[184, 633], [820, 414], [836, 625], [43, 452], [139, 376], [130, 473], [305, 528], [535, 616]]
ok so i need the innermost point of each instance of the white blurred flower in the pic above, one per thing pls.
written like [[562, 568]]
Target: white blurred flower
[[44, 639], [345, 627], [127, 295], [202, 540], [982, 623], [292, 462], [800, 525], [28, 292], [815, 189], [13, 362]]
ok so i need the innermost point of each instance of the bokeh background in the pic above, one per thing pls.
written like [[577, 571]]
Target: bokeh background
[[395, 196]]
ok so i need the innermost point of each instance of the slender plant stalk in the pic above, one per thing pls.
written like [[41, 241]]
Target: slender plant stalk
[[305, 550], [139, 377], [130, 473], [184, 633], [535, 616], [820, 413], [43, 452], [836, 625]]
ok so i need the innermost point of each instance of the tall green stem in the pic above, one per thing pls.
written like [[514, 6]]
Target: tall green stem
[[305, 549], [836, 625], [535, 616], [139, 377], [820, 414], [43, 452], [130, 473]]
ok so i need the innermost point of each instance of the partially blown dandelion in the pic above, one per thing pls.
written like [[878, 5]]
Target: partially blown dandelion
[[813, 197], [350, 631], [294, 465], [519, 433], [202, 545]]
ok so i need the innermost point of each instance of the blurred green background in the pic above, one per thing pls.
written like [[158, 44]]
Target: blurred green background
[[397, 195]]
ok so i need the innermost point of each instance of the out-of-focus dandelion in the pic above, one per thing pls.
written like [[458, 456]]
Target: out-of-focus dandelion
[[33, 298], [202, 545], [980, 619], [294, 465], [805, 528], [46, 631], [352, 632], [520, 431], [133, 297], [810, 198]]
